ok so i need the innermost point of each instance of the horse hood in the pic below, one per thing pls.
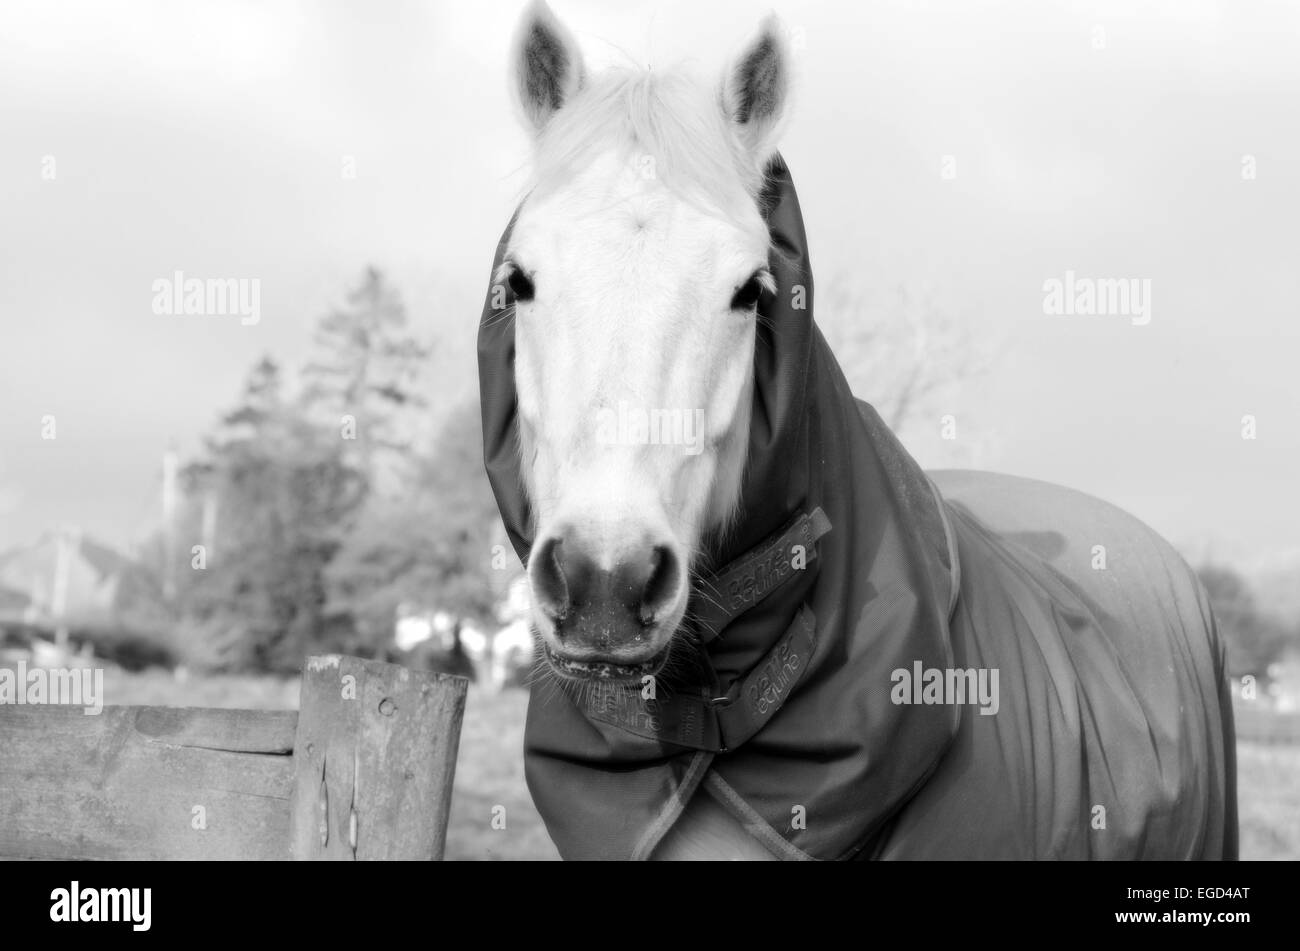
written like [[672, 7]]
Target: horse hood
[[824, 582], [845, 581]]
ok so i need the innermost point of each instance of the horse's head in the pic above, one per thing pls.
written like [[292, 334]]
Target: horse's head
[[636, 262]]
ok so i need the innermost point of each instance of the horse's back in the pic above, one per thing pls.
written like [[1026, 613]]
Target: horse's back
[[1113, 735]]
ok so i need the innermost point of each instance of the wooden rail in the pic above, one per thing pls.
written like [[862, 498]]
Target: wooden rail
[[363, 771]]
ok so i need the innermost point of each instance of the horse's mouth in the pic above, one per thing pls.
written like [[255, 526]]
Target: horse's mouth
[[605, 670]]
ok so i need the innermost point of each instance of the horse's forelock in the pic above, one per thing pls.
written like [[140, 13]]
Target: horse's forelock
[[669, 119]]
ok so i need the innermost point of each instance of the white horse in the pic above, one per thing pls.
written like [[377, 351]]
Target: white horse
[[637, 264]]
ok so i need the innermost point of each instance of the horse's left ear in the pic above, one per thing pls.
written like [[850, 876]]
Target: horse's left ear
[[756, 90]]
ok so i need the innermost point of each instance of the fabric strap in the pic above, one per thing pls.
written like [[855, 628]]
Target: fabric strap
[[752, 577], [715, 724]]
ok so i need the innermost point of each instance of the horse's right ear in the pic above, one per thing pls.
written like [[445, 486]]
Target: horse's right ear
[[546, 64]]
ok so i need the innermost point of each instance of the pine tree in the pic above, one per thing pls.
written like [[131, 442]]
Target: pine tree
[[283, 487], [364, 378]]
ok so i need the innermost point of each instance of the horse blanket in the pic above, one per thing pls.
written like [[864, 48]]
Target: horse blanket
[[890, 664]]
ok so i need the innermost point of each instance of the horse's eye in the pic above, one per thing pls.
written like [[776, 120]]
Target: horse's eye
[[521, 285], [748, 294]]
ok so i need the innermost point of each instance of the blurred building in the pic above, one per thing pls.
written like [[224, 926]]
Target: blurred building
[[63, 580]]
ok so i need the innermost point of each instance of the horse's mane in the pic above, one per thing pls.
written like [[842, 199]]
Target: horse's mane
[[670, 117]]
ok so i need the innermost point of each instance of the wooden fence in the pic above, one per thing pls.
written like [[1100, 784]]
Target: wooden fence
[[363, 770]]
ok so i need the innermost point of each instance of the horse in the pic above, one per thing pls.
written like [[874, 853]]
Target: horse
[[763, 631]]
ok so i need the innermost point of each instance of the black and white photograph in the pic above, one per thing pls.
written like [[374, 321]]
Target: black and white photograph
[[531, 430]]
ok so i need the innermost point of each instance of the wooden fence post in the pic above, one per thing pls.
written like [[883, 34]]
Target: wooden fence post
[[374, 758]]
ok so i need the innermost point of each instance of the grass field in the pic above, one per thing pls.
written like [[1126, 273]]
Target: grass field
[[1268, 789], [490, 774]]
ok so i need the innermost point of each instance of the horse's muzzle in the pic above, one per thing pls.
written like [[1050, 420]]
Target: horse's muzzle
[[606, 622]]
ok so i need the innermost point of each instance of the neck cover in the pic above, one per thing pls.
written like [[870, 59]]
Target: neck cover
[[839, 568]]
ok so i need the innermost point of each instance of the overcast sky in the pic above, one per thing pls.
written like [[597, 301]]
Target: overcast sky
[[1108, 139]]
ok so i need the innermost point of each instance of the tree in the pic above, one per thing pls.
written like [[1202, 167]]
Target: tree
[[1253, 638], [363, 379], [283, 487], [899, 351], [330, 521], [431, 547]]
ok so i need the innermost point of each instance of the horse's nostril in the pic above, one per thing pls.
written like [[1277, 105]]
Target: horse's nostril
[[662, 584], [549, 585]]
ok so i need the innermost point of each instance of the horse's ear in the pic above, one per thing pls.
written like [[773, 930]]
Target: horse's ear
[[546, 64], [756, 90]]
